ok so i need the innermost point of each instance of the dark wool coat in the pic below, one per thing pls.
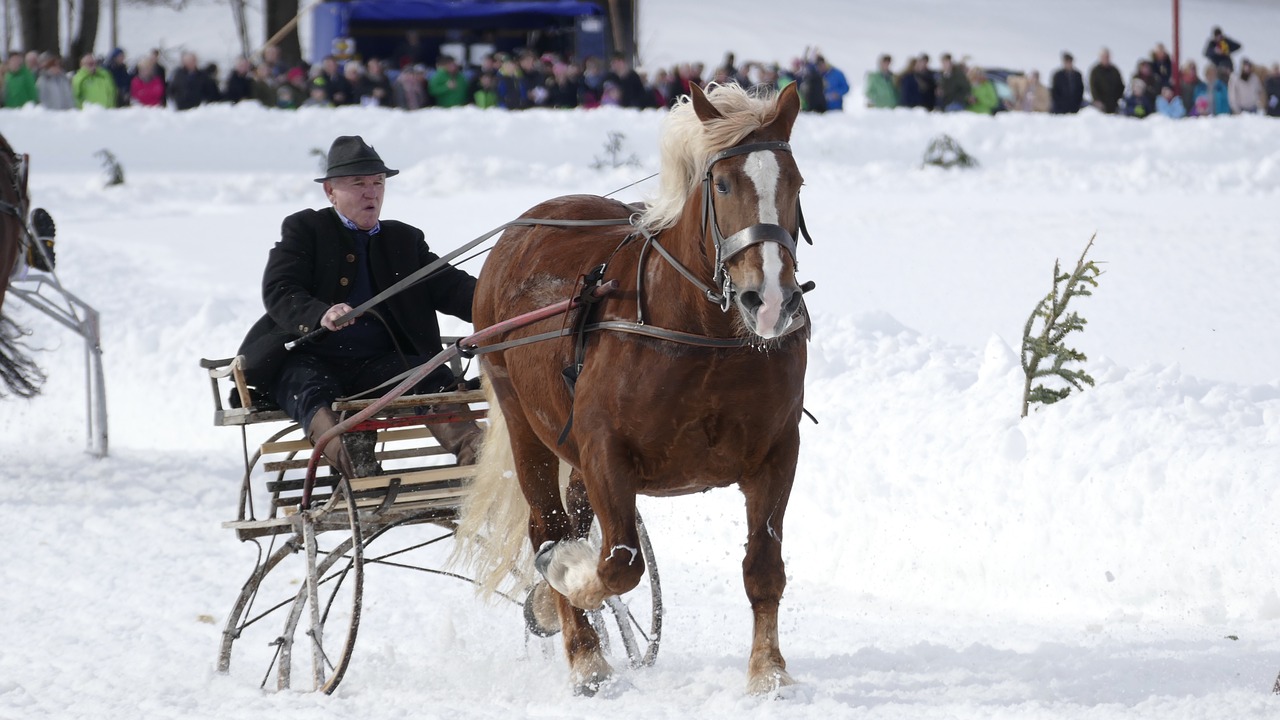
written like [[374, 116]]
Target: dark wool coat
[[1106, 85], [1066, 93], [308, 272]]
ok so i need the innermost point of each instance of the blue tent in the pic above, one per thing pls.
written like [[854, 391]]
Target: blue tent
[[375, 25]]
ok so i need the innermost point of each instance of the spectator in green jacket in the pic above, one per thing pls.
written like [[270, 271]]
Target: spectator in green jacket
[[447, 86], [93, 85], [486, 94], [19, 82], [881, 90], [986, 100]]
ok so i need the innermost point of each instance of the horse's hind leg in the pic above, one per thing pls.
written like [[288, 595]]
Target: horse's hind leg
[[538, 469], [764, 576]]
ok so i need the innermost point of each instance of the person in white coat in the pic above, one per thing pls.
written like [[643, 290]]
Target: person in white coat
[[1244, 91]]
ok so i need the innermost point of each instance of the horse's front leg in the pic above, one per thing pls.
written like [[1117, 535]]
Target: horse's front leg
[[586, 575], [764, 576], [550, 523]]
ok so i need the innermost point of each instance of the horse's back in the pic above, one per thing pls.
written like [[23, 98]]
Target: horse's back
[[538, 264]]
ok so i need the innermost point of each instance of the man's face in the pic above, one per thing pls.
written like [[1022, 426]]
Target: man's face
[[358, 198]]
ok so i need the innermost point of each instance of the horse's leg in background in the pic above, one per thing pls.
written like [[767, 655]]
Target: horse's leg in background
[[763, 573], [539, 471]]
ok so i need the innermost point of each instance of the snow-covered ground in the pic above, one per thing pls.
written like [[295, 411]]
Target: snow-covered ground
[[1110, 556]]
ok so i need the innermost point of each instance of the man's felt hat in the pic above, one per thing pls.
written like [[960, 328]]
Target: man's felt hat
[[351, 155]]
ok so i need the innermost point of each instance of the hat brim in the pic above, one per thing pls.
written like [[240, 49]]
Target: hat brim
[[371, 167]]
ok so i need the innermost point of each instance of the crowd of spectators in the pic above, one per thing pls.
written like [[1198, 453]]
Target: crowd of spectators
[[1152, 89], [515, 81]]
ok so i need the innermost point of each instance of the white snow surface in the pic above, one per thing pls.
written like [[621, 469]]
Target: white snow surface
[[1110, 556]]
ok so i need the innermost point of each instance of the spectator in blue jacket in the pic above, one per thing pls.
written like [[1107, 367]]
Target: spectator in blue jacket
[[909, 92], [120, 73], [1211, 94], [1169, 103], [836, 86]]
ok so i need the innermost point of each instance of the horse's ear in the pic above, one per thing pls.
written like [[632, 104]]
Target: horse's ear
[[788, 105], [702, 107]]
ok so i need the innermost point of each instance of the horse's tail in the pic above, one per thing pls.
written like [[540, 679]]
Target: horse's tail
[[492, 538], [18, 372]]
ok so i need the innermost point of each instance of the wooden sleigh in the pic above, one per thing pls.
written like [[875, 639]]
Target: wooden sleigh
[[293, 506]]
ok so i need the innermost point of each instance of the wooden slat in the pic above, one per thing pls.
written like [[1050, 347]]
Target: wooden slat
[[231, 417], [298, 464], [384, 436], [446, 497], [446, 472], [464, 397]]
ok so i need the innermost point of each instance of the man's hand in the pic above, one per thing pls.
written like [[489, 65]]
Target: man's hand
[[332, 314]]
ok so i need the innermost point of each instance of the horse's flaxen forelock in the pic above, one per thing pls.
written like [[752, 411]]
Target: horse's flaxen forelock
[[687, 143]]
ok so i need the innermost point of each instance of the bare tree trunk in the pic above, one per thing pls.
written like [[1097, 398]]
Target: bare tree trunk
[[115, 23], [278, 14], [242, 26], [39, 25], [8, 27], [82, 44]]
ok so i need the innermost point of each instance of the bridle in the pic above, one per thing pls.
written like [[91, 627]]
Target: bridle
[[758, 234], [728, 247]]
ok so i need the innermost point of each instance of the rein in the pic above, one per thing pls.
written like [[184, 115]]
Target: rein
[[726, 249], [428, 270]]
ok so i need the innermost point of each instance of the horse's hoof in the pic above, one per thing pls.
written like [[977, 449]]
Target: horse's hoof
[[542, 560], [769, 681], [540, 616], [587, 689], [569, 567], [590, 675]]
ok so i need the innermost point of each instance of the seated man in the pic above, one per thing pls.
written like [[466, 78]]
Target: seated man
[[329, 261]]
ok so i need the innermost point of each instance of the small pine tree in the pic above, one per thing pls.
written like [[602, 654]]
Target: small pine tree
[[1048, 345], [945, 152], [614, 150], [115, 171], [323, 160]]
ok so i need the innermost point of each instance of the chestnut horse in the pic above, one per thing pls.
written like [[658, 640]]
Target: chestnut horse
[[18, 373], [690, 376]]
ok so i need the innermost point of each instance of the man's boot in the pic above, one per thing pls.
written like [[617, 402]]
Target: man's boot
[[334, 451], [461, 438], [40, 256]]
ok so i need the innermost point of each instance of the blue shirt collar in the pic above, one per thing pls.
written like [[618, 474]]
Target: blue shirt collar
[[352, 226]]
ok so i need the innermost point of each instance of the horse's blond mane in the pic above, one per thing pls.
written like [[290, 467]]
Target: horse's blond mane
[[687, 143]]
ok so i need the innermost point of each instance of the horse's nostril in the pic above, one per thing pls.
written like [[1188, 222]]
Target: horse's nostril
[[793, 303], [750, 300]]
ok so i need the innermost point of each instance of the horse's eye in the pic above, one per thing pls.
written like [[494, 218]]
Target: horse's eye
[[722, 187]]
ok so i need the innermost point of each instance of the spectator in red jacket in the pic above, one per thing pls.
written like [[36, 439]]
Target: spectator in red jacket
[[147, 87]]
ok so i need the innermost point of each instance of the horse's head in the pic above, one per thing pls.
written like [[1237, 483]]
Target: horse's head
[[751, 214]]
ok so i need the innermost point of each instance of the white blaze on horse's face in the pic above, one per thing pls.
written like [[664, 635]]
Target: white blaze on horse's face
[[767, 296]]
